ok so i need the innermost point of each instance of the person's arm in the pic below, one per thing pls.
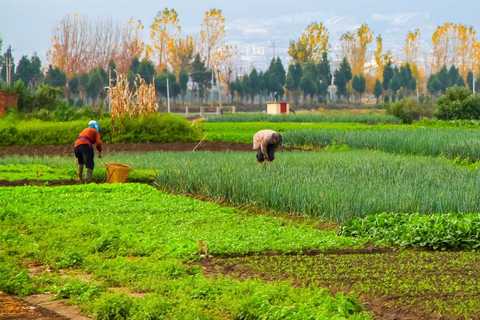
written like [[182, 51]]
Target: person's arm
[[256, 144], [264, 148], [98, 142]]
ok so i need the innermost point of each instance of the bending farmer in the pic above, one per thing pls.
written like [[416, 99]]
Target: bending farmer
[[84, 149], [266, 142]]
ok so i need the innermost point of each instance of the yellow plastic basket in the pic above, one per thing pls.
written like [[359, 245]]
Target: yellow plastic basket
[[117, 172]]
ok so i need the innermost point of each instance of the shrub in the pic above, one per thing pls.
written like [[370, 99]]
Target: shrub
[[458, 103], [408, 110], [14, 280], [154, 128], [435, 231], [113, 307]]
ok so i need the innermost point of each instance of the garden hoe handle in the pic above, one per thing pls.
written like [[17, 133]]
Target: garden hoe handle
[[199, 143]]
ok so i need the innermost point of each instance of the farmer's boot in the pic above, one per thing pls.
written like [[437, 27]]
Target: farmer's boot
[[80, 173], [89, 175]]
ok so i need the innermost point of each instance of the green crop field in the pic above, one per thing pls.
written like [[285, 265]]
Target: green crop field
[[336, 233], [138, 251], [333, 185], [361, 116], [423, 139]]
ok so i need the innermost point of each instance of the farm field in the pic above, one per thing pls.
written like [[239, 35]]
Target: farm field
[[139, 255], [429, 138], [140, 243], [358, 116], [420, 139], [349, 231]]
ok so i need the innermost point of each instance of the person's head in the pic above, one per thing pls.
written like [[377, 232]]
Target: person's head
[[94, 124], [277, 139]]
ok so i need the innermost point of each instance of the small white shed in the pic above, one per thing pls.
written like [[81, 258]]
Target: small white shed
[[278, 108]]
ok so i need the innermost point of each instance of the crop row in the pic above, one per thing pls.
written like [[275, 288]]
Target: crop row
[[451, 142], [447, 142], [144, 241], [331, 185], [330, 116]]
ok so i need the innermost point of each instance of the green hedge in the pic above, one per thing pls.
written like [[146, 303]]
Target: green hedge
[[435, 231], [153, 128]]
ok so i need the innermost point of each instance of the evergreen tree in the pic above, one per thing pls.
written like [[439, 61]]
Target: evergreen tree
[[343, 75], [201, 76], [388, 73], [161, 84], [407, 80], [29, 70], [294, 76], [55, 77], [324, 76], [454, 77], [308, 83], [434, 85], [275, 78], [253, 84], [97, 81], [470, 78], [146, 70], [359, 85], [378, 90], [183, 78], [395, 82]]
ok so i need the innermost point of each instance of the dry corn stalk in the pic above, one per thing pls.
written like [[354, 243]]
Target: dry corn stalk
[[121, 98], [128, 102], [145, 98]]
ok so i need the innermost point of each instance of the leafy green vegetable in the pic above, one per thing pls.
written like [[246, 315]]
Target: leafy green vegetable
[[436, 231]]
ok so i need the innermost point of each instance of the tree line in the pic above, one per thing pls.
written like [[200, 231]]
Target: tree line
[[85, 56]]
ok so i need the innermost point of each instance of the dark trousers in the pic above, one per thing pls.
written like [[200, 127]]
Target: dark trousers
[[270, 153], [84, 154]]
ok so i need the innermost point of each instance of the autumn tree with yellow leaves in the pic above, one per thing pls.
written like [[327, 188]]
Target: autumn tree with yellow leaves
[[218, 55], [412, 55], [311, 45], [379, 58], [355, 46], [212, 34], [164, 31], [180, 54], [455, 45]]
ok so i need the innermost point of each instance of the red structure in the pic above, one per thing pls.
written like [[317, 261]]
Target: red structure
[[7, 100], [283, 107]]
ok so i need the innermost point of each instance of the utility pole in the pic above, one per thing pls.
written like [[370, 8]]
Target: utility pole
[[168, 83], [168, 93], [8, 67]]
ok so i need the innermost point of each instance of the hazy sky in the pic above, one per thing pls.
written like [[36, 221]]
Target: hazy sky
[[254, 25]]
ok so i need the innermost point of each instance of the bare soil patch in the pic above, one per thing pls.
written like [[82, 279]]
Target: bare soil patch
[[62, 150], [15, 308]]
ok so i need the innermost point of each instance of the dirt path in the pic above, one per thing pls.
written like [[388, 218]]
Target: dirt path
[[62, 150], [15, 308]]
